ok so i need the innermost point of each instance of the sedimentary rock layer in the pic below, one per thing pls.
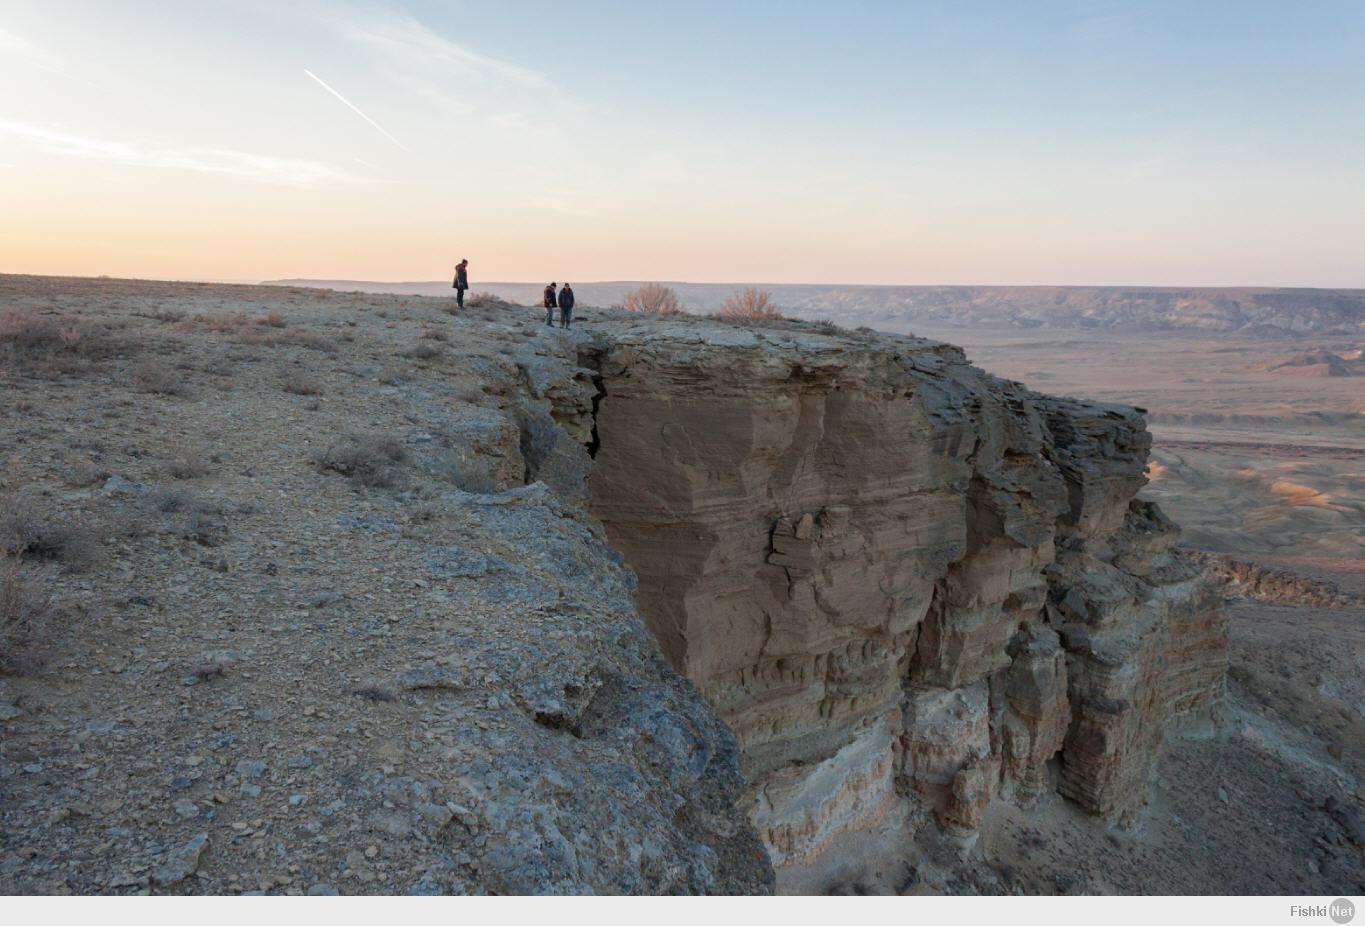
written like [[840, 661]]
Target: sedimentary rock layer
[[896, 578]]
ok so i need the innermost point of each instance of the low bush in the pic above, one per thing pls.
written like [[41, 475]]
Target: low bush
[[28, 338], [370, 459], [653, 298], [188, 464], [157, 379], [297, 382], [28, 620], [750, 304], [423, 351], [27, 531], [312, 340]]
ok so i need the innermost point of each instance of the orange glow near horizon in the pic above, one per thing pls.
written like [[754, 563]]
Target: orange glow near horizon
[[340, 141]]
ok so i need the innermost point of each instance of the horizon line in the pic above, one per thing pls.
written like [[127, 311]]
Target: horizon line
[[303, 281]]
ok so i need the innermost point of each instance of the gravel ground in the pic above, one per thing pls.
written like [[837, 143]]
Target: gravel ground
[[312, 632]]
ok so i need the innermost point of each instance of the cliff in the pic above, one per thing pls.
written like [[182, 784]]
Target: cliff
[[908, 587], [428, 624]]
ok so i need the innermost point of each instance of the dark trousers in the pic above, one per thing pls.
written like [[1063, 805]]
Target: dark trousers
[[459, 296], [565, 315]]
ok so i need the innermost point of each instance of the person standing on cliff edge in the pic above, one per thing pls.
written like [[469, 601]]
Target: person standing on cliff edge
[[565, 306], [550, 305], [461, 280]]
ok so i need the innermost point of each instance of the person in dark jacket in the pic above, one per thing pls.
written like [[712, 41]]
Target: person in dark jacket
[[565, 306], [461, 281], [550, 305]]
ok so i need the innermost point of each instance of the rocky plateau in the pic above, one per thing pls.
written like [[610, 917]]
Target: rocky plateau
[[460, 603]]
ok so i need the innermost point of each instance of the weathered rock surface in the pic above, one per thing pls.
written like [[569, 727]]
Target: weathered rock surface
[[896, 578]]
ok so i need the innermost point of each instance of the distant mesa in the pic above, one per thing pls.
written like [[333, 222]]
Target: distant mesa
[[1322, 363]]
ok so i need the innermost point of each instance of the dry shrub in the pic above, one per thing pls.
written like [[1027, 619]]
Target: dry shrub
[[30, 338], [370, 459], [188, 464], [432, 333], [27, 620], [659, 300], [231, 322], [421, 351], [187, 515], [300, 383], [85, 473], [393, 374], [255, 330], [157, 379], [750, 304], [483, 300], [28, 532], [221, 322], [309, 339]]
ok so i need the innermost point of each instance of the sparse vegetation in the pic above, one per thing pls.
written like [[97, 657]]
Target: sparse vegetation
[[423, 351], [28, 532], [165, 316], [482, 299], [297, 382], [750, 304], [29, 338], [393, 374], [157, 379], [310, 339], [85, 473], [653, 298], [370, 459], [188, 464], [195, 519], [221, 322], [257, 330], [27, 620]]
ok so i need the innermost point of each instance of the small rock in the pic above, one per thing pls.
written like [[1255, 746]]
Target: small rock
[[186, 808], [392, 824], [182, 862], [118, 487], [251, 768]]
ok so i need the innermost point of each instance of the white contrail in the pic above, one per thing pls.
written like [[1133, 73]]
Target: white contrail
[[356, 110]]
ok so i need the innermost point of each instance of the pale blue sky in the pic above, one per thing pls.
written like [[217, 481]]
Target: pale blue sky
[[1064, 142]]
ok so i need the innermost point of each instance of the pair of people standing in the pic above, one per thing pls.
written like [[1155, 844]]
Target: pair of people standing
[[564, 301]]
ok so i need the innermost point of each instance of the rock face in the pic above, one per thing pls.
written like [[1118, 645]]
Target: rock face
[[907, 586]]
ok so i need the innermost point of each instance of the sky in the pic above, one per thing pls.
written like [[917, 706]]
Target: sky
[[1084, 142]]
